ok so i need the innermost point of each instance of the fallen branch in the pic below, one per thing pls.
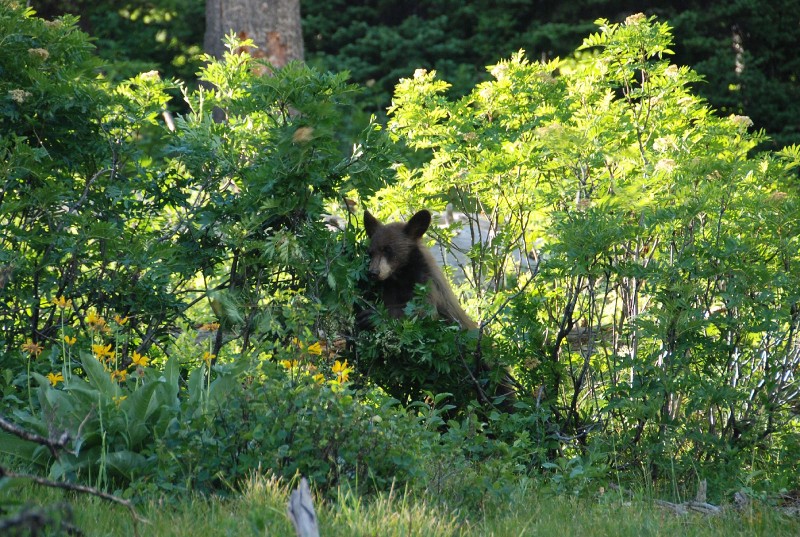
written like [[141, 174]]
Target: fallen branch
[[677, 508], [4, 472], [704, 507], [52, 445], [698, 505], [685, 507]]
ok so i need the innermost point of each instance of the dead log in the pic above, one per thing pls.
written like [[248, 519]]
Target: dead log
[[698, 505], [704, 507], [677, 508]]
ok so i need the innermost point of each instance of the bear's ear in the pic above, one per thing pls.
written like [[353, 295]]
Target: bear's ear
[[371, 223], [418, 224]]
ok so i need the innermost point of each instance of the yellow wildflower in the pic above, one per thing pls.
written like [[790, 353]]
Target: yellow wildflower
[[55, 378], [70, 340], [140, 360], [316, 348], [120, 375], [289, 364], [210, 327], [32, 348], [319, 378], [118, 398], [102, 351], [95, 321], [208, 357], [62, 302], [120, 320], [341, 370]]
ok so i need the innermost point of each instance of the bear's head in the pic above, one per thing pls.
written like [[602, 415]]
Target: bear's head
[[391, 245]]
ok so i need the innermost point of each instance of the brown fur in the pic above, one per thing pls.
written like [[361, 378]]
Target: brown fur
[[399, 261]]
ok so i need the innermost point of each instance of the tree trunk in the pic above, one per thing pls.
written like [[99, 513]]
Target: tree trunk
[[273, 25]]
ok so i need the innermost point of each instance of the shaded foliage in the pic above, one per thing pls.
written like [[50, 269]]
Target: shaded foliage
[[744, 50], [138, 35]]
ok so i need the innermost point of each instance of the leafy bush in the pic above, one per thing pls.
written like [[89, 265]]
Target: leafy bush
[[658, 253], [119, 214], [190, 425], [290, 425], [640, 274]]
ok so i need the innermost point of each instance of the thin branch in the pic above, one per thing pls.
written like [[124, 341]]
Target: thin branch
[[52, 445], [481, 394], [4, 472], [85, 193], [508, 299]]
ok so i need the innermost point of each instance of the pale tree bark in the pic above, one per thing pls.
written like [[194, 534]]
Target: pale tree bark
[[273, 25]]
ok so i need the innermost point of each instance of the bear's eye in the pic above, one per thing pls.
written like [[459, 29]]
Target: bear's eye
[[387, 251]]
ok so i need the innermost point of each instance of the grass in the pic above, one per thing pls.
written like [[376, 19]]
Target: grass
[[260, 509]]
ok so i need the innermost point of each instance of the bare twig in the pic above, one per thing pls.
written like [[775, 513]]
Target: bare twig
[[85, 193], [489, 320], [4, 472], [52, 445], [481, 393]]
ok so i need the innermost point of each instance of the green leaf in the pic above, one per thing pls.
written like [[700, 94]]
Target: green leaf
[[138, 407], [98, 377]]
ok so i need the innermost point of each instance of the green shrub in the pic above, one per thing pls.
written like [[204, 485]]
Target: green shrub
[[120, 214], [656, 294], [327, 432], [194, 426], [641, 282]]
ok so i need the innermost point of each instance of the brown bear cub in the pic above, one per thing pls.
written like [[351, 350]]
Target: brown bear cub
[[399, 261]]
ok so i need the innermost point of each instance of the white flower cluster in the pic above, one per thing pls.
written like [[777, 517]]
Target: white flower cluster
[[19, 95]]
